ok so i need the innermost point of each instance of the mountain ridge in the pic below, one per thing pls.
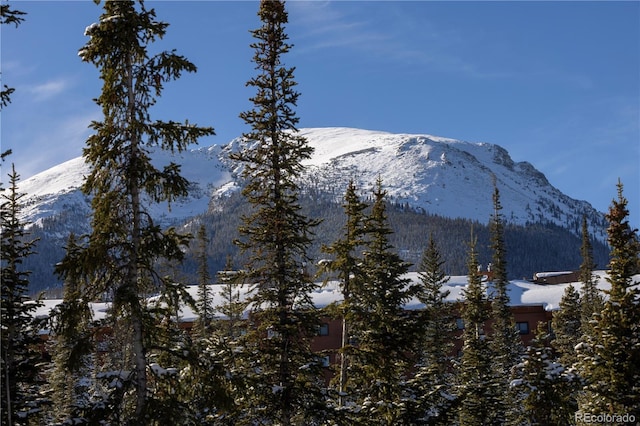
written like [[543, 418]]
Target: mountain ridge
[[438, 175]]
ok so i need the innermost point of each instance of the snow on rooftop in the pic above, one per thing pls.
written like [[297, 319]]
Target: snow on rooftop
[[521, 292], [552, 274]]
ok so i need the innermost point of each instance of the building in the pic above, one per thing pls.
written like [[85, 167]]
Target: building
[[531, 303]]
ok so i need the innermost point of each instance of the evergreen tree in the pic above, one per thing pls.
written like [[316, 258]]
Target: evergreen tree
[[475, 375], [233, 305], [171, 351], [204, 302], [209, 376], [385, 331], [121, 253], [591, 300], [567, 326], [20, 356], [433, 381], [545, 386], [610, 355], [505, 339], [567, 329], [346, 266], [285, 374], [72, 349], [210, 366], [224, 350]]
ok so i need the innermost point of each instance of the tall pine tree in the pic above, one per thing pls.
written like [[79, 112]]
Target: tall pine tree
[[283, 371], [591, 300], [386, 332], [567, 326], [346, 266], [476, 388], [20, 339], [121, 253], [610, 354], [567, 333], [505, 340], [71, 377], [204, 301], [434, 378]]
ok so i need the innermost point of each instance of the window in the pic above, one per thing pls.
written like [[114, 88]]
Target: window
[[523, 327], [325, 361], [323, 329], [460, 323]]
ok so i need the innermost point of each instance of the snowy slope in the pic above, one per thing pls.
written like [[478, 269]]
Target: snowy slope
[[58, 188], [442, 176], [54, 190], [438, 175]]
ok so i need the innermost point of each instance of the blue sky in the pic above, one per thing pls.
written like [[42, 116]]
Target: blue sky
[[555, 83]]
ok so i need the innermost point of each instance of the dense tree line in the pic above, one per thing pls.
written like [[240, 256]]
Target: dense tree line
[[137, 366], [532, 248]]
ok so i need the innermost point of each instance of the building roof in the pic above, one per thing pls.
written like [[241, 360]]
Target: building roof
[[521, 293]]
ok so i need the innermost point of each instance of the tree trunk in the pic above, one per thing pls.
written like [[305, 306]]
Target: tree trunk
[[343, 362], [134, 272]]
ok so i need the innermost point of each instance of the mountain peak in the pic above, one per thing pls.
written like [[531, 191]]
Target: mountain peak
[[439, 175], [442, 176]]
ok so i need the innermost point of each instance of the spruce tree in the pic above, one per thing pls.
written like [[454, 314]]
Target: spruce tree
[[567, 326], [207, 384], [121, 253], [346, 266], [475, 376], [285, 374], [505, 340], [233, 305], [20, 356], [545, 386], [171, 354], [210, 369], [591, 300], [223, 351], [72, 349], [610, 354], [386, 332], [204, 302], [434, 379]]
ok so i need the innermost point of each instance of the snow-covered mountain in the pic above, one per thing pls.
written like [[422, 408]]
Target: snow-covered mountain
[[438, 175]]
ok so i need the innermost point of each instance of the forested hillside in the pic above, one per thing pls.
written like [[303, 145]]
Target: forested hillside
[[533, 248]]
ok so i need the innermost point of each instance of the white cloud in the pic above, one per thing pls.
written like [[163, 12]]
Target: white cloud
[[50, 142], [322, 26], [49, 89], [393, 33], [13, 66]]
